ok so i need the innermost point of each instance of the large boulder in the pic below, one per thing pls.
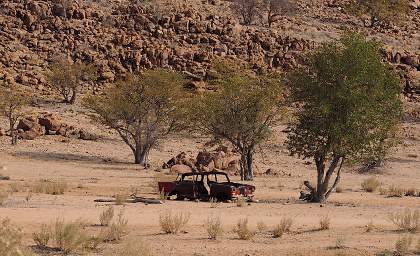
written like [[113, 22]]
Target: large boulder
[[50, 123]]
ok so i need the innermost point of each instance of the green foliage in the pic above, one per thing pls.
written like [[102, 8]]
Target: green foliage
[[381, 11], [350, 106], [242, 110], [142, 109], [66, 77]]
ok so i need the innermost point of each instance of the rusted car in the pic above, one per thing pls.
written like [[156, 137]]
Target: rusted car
[[204, 186]]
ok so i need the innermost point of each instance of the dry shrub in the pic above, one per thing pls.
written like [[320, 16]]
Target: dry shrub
[[120, 199], [3, 197], [213, 203], [11, 240], [131, 248], [408, 220], [173, 223], [15, 187], [115, 231], [325, 222], [28, 195], [42, 237], [402, 246], [50, 187], [261, 226], [214, 227], [241, 202], [283, 227], [242, 230], [371, 184], [163, 195], [395, 191], [106, 216], [69, 237]]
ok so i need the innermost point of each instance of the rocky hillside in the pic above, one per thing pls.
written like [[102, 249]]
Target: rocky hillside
[[126, 36]]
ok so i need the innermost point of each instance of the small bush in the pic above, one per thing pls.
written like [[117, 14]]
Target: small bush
[[261, 226], [395, 191], [408, 220], [69, 237], [11, 240], [214, 227], [173, 223], [115, 231], [241, 202], [324, 222], [283, 227], [3, 197], [50, 187], [106, 216], [242, 230], [42, 237], [402, 246], [132, 248], [371, 184]]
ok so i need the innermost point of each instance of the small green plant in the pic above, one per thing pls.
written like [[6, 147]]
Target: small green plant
[[116, 230], [241, 202], [42, 237], [242, 230], [402, 246], [50, 187], [173, 223], [371, 184], [69, 237], [214, 227], [283, 227], [261, 226], [325, 222], [408, 220], [106, 216]]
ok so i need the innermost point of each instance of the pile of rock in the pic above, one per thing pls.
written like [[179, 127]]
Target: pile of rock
[[220, 159], [32, 127]]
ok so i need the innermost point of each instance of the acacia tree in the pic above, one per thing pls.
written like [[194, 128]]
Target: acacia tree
[[12, 102], [380, 11], [142, 109], [246, 9], [66, 77], [276, 8], [350, 109], [242, 111]]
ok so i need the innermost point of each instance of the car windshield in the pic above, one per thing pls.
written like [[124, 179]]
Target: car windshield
[[222, 178]]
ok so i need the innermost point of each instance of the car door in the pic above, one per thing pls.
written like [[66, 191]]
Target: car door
[[185, 186]]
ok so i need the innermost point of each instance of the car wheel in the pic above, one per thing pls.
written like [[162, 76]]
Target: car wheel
[[222, 197], [179, 197]]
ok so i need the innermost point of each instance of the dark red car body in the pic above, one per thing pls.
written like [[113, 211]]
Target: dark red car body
[[204, 186]]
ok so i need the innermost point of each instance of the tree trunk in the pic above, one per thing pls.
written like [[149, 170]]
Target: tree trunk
[[73, 97], [13, 134], [247, 170], [141, 155]]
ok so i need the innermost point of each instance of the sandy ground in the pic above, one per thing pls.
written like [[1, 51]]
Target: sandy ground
[[103, 168]]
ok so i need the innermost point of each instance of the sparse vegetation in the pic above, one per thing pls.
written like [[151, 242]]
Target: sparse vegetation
[[241, 202], [247, 10], [340, 242], [345, 89], [42, 237], [214, 227], [11, 240], [408, 220], [3, 197], [69, 237], [274, 9], [130, 248], [50, 187], [402, 246], [324, 222], [371, 184], [283, 227], [116, 230], [261, 226], [142, 109], [395, 191], [106, 216], [173, 223], [243, 231], [120, 199]]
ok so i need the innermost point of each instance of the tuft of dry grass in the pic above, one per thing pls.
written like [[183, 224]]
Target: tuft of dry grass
[[325, 222], [69, 237], [28, 195], [15, 187], [283, 227], [42, 237], [213, 202], [11, 240], [241, 202], [4, 195], [214, 227], [242, 230], [261, 226], [173, 223], [163, 196], [402, 246], [395, 191], [340, 242], [131, 248], [50, 187], [371, 184], [408, 221], [106, 216], [116, 230]]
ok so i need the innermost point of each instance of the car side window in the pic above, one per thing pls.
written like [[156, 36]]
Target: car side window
[[222, 178], [211, 178]]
